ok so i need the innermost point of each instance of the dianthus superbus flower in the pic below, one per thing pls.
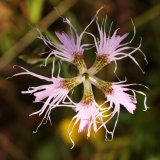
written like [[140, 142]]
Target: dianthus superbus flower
[[71, 49], [56, 92], [115, 94], [53, 93], [109, 48]]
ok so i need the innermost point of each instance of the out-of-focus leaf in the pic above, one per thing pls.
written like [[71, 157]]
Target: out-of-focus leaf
[[35, 10], [47, 151]]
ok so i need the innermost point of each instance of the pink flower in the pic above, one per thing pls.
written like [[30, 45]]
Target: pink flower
[[116, 95], [54, 94], [88, 112], [71, 49], [88, 115], [109, 48]]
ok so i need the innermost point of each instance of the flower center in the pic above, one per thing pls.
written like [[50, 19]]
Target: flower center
[[86, 75]]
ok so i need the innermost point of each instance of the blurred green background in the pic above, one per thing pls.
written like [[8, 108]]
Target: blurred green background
[[136, 136]]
